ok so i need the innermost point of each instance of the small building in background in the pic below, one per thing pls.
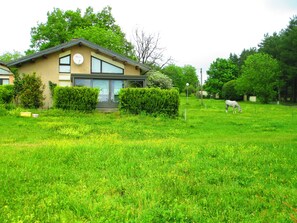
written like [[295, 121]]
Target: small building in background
[[6, 76]]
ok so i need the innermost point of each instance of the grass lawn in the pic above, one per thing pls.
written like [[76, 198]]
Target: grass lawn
[[205, 166]]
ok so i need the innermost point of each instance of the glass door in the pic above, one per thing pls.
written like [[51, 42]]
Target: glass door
[[109, 92], [103, 85], [116, 86]]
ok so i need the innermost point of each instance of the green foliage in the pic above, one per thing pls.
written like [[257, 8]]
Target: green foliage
[[229, 91], [181, 75], [157, 79], [76, 98], [52, 87], [30, 91], [190, 90], [220, 72], [6, 94], [260, 77], [283, 47], [152, 101], [190, 75], [7, 57], [62, 26]]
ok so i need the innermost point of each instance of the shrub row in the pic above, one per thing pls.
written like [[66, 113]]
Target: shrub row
[[153, 101], [76, 98], [6, 94]]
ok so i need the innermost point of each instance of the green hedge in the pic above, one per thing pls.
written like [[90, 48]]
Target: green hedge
[[76, 98], [153, 101], [6, 94]]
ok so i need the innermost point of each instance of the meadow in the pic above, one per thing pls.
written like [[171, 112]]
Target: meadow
[[204, 166]]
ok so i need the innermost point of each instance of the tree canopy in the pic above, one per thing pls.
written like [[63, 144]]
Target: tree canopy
[[62, 26], [220, 72], [181, 75], [280, 46], [260, 77]]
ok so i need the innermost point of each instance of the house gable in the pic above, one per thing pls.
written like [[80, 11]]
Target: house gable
[[78, 59]]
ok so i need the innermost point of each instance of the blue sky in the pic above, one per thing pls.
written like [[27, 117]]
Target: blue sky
[[194, 32]]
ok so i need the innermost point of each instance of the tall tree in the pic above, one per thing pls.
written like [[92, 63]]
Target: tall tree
[[288, 55], [62, 26], [282, 46], [260, 76], [176, 75], [190, 75], [220, 72]]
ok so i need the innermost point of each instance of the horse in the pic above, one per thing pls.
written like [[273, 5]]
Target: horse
[[233, 104]]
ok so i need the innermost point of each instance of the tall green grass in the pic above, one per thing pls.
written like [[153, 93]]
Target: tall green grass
[[210, 166]]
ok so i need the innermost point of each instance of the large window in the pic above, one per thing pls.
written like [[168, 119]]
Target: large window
[[99, 66], [2, 71], [64, 64]]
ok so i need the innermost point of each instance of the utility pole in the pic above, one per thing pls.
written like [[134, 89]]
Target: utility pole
[[201, 87]]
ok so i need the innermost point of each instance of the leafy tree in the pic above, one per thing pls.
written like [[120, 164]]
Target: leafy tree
[[229, 91], [260, 76], [157, 79], [181, 75], [7, 57], [190, 75], [176, 75], [62, 26], [31, 94], [244, 55], [108, 39], [282, 46], [288, 56], [220, 72]]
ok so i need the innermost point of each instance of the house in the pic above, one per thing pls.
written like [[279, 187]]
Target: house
[[6, 76], [83, 63]]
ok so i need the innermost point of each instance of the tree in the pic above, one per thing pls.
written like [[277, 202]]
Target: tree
[[283, 47], [148, 50], [229, 91], [220, 72], [190, 75], [260, 76], [7, 57], [61, 27], [288, 56], [157, 79], [176, 75]]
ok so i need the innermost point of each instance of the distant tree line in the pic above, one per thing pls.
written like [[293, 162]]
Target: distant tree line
[[269, 71]]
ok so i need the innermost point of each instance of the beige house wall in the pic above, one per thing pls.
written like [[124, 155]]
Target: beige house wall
[[48, 68]]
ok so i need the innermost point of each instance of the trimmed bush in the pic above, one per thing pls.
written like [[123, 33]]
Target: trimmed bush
[[152, 101], [6, 94], [76, 98]]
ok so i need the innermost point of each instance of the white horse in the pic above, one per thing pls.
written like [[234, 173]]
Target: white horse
[[233, 104]]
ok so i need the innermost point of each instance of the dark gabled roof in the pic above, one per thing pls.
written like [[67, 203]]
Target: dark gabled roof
[[79, 42]]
